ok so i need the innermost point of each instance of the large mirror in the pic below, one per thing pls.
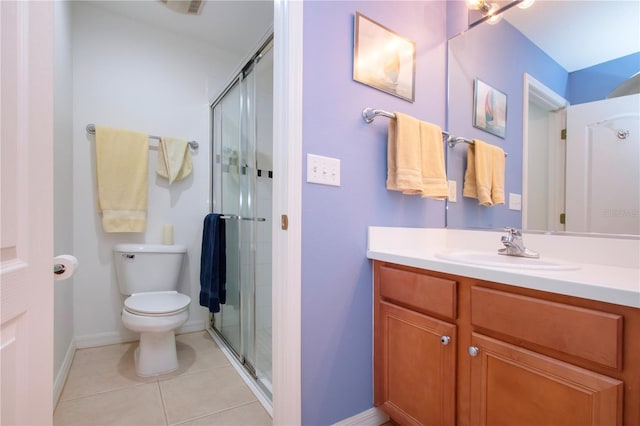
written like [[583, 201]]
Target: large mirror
[[562, 65]]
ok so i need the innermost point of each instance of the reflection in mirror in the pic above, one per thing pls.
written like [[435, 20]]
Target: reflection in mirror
[[588, 183]]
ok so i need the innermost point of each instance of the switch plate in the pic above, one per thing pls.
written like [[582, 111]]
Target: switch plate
[[453, 185], [323, 170], [515, 201]]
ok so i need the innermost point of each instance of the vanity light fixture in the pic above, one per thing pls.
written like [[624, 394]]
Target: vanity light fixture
[[488, 10], [475, 4]]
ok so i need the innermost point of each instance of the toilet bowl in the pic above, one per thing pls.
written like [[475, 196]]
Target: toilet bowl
[[149, 275], [156, 316]]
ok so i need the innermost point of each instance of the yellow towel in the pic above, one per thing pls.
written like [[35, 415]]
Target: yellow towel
[[404, 169], [415, 158], [434, 175], [174, 159], [122, 158], [484, 177]]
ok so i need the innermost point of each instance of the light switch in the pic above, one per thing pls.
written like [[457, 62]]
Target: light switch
[[515, 201], [453, 185], [323, 170]]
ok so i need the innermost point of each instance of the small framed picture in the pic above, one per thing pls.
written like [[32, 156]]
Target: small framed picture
[[382, 59], [489, 109]]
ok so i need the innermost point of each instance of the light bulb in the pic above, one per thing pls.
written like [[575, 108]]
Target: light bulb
[[494, 19], [475, 4], [524, 4]]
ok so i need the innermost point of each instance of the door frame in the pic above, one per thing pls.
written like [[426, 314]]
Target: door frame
[[287, 190], [535, 91]]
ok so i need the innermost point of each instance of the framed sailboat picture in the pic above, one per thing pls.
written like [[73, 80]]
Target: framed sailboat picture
[[383, 59], [489, 109]]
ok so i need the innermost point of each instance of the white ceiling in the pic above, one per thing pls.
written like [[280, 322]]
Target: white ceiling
[[575, 33], [579, 34], [235, 26]]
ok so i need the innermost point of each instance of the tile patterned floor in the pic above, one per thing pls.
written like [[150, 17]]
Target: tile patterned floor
[[103, 389]]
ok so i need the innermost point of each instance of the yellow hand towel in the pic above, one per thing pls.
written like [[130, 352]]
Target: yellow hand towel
[[484, 177], [404, 157], [122, 167], [415, 158], [434, 175], [174, 159]]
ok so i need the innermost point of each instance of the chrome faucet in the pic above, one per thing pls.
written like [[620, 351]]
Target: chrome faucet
[[514, 246]]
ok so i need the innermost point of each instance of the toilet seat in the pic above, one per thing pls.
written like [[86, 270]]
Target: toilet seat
[[157, 303]]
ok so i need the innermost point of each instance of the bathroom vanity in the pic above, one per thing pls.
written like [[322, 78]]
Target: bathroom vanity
[[461, 343]]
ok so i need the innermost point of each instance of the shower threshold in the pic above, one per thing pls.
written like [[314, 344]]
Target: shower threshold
[[260, 389]]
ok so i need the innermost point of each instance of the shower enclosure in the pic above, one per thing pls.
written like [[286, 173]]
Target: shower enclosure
[[242, 191]]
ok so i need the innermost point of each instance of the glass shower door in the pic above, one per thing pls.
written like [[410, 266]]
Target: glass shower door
[[262, 82], [227, 119], [242, 192]]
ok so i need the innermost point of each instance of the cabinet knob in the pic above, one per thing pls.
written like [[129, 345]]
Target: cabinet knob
[[473, 350], [445, 340]]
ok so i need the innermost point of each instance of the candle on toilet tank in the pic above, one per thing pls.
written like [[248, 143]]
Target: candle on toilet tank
[[167, 234]]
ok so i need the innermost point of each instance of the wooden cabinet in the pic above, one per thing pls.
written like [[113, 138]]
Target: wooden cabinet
[[513, 356], [514, 386], [417, 363]]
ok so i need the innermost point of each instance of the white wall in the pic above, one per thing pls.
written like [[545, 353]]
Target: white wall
[[136, 76], [63, 193]]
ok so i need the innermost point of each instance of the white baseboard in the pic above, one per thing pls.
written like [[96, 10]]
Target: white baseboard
[[371, 417], [192, 326], [115, 337], [102, 339], [61, 376]]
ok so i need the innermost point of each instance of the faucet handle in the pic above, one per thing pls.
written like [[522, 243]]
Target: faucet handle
[[512, 231]]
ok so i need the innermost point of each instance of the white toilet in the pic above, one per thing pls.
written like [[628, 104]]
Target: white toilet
[[149, 275]]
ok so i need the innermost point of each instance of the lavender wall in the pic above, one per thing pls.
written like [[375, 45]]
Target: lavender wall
[[498, 55], [336, 275], [595, 83]]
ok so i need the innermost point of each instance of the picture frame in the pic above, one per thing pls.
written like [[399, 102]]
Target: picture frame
[[489, 109], [382, 59]]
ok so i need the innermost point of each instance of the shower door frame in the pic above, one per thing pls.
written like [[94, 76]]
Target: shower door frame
[[247, 131]]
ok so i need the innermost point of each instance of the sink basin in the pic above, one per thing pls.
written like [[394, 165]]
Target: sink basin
[[500, 261]]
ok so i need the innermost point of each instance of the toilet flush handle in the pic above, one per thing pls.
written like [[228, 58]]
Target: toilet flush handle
[[128, 255]]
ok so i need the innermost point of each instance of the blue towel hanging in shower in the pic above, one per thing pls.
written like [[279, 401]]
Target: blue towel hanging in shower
[[213, 262]]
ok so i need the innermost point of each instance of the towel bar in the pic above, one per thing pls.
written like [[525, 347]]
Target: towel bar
[[91, 129], [368, 114], [238, 217]]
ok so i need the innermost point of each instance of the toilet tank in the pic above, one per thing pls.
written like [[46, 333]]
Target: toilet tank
[[148, 267]]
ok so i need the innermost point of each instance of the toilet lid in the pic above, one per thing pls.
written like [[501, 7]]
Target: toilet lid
[[157, 302]]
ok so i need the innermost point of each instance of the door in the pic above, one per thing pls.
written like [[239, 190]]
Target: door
[[414, 367], [514, 386], [603, 166], [227, 119], [26, 209], [243, 171]]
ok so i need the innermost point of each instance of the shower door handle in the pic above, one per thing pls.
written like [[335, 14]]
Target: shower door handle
[[238, 217]]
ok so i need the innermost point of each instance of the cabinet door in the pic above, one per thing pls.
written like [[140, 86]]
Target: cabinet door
[[415, 365], [514, 386]]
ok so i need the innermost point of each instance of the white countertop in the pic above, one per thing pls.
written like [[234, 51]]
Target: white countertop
[[608, 269]]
